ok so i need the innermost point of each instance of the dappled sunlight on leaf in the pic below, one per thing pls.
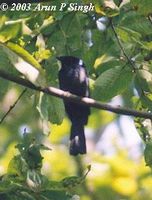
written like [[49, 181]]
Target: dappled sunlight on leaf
[[102, 59], [10, 31]]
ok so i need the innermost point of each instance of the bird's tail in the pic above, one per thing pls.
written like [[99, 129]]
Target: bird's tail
[[77, 139]]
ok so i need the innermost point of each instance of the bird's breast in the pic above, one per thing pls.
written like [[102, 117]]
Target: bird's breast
[[74, 80], [77, 75]]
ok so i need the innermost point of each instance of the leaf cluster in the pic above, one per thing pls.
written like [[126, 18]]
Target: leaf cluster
[[25, 181]]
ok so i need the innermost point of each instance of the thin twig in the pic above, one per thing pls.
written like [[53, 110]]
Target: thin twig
[[74, 98], [125, 54], [12, 106], [121, 47], [80, 172]]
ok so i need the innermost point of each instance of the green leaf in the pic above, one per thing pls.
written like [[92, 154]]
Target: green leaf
[[135, 21], [64, 39], [56, 110], [24, 63], [6, 65], [146, 101], [142, 129], [143, 7], [51, 108], [144, 79], [73, 181], [33, 157], [111, 9], [111, 83], [128, 35], [57, 41], [8, 185], [43, 54], [148, 154], [25, 196], [42, 106], [56, 195], [24, 54], [73, 39], [3, 19], [108, 8], [19, 195], [95, 51], [53, 185], [5, 186], [26, 142], [30, 152], [35, 21], [147, 45], [34, 180], [3, 88], [49, 28], [17, 166], [5, 62], [10, 31], [51, 69], [66, 24], [101, 60]]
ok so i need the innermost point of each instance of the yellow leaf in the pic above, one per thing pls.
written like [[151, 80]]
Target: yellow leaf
[[99, 9]]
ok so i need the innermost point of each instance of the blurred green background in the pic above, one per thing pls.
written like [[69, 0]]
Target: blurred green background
[[118, 169]]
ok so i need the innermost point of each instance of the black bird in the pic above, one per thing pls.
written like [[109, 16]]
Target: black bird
[[73, 78]]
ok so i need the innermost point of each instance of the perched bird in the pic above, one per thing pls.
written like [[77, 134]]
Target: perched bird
[[73, 78]]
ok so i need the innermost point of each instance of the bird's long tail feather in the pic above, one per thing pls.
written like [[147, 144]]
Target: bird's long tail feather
[[77, 139]]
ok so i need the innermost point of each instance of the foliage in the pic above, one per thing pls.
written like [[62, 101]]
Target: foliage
[[114, 40], [25, 181]]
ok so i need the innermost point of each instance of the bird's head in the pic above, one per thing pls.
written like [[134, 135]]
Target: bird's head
[[70, 61]]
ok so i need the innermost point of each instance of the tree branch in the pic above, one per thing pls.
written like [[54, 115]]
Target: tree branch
[[73, 98], [11, 107]]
